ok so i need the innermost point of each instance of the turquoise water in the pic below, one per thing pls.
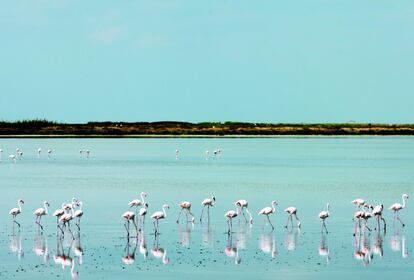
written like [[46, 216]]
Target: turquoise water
[[302, 172]]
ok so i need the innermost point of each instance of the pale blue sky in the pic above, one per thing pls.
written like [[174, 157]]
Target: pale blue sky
[[259, 61]]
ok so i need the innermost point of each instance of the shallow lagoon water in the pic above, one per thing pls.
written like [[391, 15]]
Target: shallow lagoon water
[[301, 172]]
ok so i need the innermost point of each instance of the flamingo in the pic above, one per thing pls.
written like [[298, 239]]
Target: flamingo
[[206, 154], [292, 211], [69, 206], [12, 158], [243, 204], [58, 213], [324, 215], [41, 212], [16, 211], [88, 153], [49, 153], [185, 205], [79, 213], [138, 202], [358, 202], [156, 216], [232, 251], [129, 257], [377, 212], [160, 253], [142, 214], [362, 215], [66, 218], [177, 154], [39, 151], [208, 202], [128, 216], [1, 155], [230, 215], [269, 210], [80, 153], [17, 153], [396, 207]]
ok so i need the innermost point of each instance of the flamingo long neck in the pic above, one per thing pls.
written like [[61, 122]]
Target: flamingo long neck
[[45, 205], [164, 256], [327, 208], [73, 210], [19, 204], [163, 210], [403, 199], [273, 207], [143, 198]]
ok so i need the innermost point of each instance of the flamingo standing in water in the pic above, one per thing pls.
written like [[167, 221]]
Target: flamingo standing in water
[[79, 213], [358, 202], [39, 151], [362, 215], [138, 202], [88, 153], [208, 202], [66, 218], [16, 211], [243, 204], [323, 215], [58, 213], [377, 212], [185, 205], [230, 215], [142, 214], [49, 153], [269, 210], [156, 216], [41, 212], [177, 154], [68, 206], [1, 155], [292, 211], [396, 207], [12, 158]]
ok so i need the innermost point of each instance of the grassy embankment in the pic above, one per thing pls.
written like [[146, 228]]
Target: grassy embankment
[[44, 128]]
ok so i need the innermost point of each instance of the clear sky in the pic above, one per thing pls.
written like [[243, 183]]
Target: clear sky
[[215, 60]]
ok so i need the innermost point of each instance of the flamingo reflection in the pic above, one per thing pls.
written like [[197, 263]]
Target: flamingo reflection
[[143, 246], [40, 247], [362, 250], [158, 252], [185, 234], [377, 248], [129, 257], [291, 237], [323, 249], [16, 246], [267, 243], [231, 250], [207, 238], [397, 244]]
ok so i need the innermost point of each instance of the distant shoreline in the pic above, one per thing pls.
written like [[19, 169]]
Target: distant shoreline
[[170, 129]]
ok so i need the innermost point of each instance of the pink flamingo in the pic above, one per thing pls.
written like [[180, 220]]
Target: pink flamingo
[[208, 202], [230, 216], [396, 207], [41, 212], [269, 210], [377, 212], [156, 216], [323, 216], [362, 215], [66, 218], [185, 205], [243, 204], [358, 202], [69, 206], [16, 211], [292, 211], [138, 202], [129, 216]]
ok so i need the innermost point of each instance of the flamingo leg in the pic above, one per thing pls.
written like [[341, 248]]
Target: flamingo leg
[[324, 225], [158, 228], [366, 226], [202, 212], [208, 213], [287, 222], [189, 212], [267, 216], [136, 227], [231, 226], [155, 228], [179, 215], [297, 219], [244, 215], [398, 218]]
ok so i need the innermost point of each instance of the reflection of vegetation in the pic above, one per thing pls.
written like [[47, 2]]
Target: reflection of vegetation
[[119, 129]]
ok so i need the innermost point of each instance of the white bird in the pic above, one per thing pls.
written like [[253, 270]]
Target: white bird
[[292, 211], [66, 218], [323, 215], [49, 153], [206, 154], [230, 215], [377, 212], [1, 155], [88, 153], [16, 211], [69, 206], [208, 202], [358, 202], [41, 212], [129, 216], [177, 154], [79, 213], [39, 151], [58, 213], [269, 210], [185, 205], [142, 214], [396, 207], [243, 204], [156, 216], [13, 158], [138, 202]]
